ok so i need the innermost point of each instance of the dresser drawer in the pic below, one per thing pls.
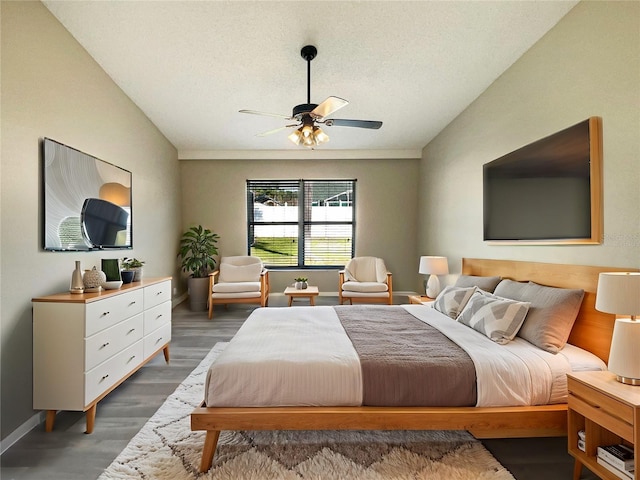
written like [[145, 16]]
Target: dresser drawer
[[109, 373], [105, 313], [157, 339], [108, 342], [156, 317], [157, 294]]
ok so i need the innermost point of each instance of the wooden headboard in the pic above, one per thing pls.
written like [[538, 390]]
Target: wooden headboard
[[593, 329]]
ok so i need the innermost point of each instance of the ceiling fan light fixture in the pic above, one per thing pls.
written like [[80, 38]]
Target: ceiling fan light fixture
[[296, 137], [320, 136], [307, 130]]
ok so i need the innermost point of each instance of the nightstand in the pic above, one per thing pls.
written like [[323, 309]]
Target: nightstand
[[419, 299], [607, 411]]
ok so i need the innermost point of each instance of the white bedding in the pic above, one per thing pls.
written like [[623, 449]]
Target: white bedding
[[295, 356], [301, 356]]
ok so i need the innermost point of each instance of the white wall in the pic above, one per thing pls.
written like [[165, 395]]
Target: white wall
[[51, 87], [588, 65], [386, 191]]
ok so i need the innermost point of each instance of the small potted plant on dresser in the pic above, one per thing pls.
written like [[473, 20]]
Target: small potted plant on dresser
[[197, 251], [301, 283], [131, 270]]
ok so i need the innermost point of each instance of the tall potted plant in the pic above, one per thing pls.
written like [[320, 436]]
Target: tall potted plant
[[197, 251]]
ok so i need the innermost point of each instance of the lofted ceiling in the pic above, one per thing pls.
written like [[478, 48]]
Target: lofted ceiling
[[190, 66]]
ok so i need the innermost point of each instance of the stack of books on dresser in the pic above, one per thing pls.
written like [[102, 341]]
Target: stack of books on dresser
[[618, 459]]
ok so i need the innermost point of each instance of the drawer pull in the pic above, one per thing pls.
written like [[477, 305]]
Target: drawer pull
[[106, 344], [132, 357], [159, 340], [104, 377], [159, 293], [131, 331], [132, 303], [104, 314], [158, 316]]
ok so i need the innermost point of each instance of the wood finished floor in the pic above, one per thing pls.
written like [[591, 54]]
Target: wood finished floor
[[68, 453]]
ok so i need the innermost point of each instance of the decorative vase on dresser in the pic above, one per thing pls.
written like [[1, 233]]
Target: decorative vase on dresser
[[85, 345], [77, 284]]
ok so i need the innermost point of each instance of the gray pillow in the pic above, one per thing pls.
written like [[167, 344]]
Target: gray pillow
[[488, 284], [452, 300], [551, 316], [495, 317]]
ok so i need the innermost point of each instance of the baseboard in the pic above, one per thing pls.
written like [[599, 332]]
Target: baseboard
[[21, 431], [178, 300]]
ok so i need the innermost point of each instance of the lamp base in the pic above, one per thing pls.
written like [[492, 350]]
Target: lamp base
[[433, 286], [628, 380]]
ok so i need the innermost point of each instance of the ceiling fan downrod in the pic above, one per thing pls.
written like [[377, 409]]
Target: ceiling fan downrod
[[309, 52]]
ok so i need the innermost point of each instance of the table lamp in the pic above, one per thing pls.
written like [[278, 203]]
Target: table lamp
[[433, 266], [619, 293]]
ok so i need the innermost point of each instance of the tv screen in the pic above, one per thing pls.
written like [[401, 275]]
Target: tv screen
[[544, 191], [87, 201]]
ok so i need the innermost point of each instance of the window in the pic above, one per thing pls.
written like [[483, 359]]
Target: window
[[301, 223]]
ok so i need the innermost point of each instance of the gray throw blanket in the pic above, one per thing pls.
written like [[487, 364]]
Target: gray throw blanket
[[406, 362]]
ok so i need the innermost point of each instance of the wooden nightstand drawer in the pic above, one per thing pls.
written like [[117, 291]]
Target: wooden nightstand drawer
[[600, 402]]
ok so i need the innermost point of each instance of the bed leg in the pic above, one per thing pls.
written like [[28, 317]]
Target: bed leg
[[210, 443]]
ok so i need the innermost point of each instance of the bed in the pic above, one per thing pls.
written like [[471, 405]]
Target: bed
[[591, 331]]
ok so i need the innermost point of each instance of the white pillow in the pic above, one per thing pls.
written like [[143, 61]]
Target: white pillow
[[495, 317], [452, 300], [240, 273]]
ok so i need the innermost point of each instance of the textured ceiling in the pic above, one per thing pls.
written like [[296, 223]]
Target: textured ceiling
[[191, 65]]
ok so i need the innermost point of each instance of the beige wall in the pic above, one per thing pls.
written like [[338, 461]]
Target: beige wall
[[52, 87], [213, 194], [588, 65]]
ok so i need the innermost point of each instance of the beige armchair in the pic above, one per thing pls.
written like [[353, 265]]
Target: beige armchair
[[365, 280], [240, 279]]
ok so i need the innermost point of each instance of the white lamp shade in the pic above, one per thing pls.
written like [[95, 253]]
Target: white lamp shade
[[433, 265], [619, 293], [624, 358]]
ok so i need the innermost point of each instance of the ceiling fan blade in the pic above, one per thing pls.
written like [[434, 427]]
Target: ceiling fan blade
[[329, 106], [254, 112], [337, 122], [275, 130]]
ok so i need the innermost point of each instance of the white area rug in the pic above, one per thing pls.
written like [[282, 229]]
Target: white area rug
[[167, 449]]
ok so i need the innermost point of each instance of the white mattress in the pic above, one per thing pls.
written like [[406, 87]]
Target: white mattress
[[301, 356]]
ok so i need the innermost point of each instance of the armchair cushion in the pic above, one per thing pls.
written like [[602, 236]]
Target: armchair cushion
[[366, 269], [236, 287], [364, 287], [240, 273]]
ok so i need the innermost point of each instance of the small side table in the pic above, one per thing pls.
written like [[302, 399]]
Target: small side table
[[310, 292], [607, 411], [418, 299]]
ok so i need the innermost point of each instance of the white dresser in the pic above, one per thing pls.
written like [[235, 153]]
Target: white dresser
[[85, 345]]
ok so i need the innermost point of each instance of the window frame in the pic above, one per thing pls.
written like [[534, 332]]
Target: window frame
[[302, 224]]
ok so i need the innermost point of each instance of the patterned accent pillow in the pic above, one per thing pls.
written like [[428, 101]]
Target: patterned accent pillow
[[452, 300], [495, 317]]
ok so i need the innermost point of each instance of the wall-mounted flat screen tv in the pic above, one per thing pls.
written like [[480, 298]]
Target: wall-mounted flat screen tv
[[87, 201], [548, 191]]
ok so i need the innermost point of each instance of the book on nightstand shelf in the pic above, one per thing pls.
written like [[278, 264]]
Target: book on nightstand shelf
[[620, 456], [623, 474]]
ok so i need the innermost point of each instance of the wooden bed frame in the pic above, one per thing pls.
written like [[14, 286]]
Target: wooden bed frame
[[592, 331]]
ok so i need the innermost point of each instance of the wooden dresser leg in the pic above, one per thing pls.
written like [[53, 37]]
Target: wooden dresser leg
[[91, 417], [577, 470], [210, 443], [165, 350], [50, 420]]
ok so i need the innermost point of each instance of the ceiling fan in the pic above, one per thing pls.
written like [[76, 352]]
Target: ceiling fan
[[308, 115]]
